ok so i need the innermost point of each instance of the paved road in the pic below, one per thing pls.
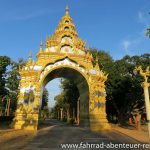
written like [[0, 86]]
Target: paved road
[[54, 133]]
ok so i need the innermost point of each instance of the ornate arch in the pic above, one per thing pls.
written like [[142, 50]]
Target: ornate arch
[[51, 58], [78, 69]]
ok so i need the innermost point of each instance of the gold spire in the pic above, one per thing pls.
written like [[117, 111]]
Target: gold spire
[[67, 10], [41, 44], [30, 55], [41, 47], [65, 28], [29, 61]]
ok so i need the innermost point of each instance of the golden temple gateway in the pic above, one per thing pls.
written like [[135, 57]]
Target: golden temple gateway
[[65, 55]]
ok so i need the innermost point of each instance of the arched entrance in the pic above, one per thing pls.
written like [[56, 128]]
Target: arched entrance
[[65, 55], [82, 85]]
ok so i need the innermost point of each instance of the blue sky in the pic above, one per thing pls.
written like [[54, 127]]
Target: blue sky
[[53, 90], [116, 26]]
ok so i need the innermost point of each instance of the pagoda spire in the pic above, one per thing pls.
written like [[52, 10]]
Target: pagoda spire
[[41, 44], [65, 28], [30, 55], [30, 60], [41, 47], [67, 10]]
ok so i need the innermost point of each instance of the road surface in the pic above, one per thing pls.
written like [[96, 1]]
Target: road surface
[[53, 134]]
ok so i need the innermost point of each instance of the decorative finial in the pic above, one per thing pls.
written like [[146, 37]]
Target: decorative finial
[[67, 9], [41, 47], [29, 61], [30, 54], [41, 44]]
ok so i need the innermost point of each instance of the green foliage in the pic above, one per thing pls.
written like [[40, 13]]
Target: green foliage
[[69, 94], [44, 98], [13, 79], [68, 97], [9, 81], [123, 87], [44, 113], [60, 100], [4, 63], [104, 59], [70, 91]]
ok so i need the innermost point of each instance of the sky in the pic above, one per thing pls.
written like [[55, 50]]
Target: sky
[[116, 26], [54, 89]]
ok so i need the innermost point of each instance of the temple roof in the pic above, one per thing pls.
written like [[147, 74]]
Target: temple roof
[[65, 28]]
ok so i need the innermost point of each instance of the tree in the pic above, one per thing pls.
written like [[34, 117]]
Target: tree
[[12, 85], [9, 81], [67, 99], [104, 59], [70, 90], [4, 63], [44, 99], [60, 100], [45, 112], [124, 89]]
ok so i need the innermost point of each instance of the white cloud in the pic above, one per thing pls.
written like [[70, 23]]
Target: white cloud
[[133, 42], [126, 44], [130, 45]]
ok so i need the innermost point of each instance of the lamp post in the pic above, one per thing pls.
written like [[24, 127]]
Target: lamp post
[[145, 74]]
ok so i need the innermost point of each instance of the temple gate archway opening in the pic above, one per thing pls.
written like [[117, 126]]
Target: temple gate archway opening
[[81, 115], [65, 55]]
